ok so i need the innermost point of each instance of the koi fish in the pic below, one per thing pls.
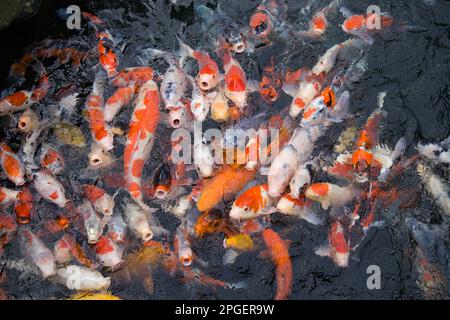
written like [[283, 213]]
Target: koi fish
[[162, 181], [437, 152], [329, 194], [279, 253], [82, 278], [223, 30], [66, 249], [107, 57], [429, 262], [310, 88], [299, 207], [117, 229], [102, 201], [183, 247], [364, 26], [271, 82], [220, 111], [140, 139], [120, 98], [319, 22], [24, 206], [235, 80], [174, 82], [28, 121], [200, 102], [252, 203], [208, 71], [11, 165], [438, 190], [52, 160], [203, 159], [136, 75], [49, 188], [93, 225], [101, 133], [23, 99], [138, 222], [38, 253], [302, 178], [8, 196], [108, 252], [213, 221], [226, 182], [338, 248], [268, 19]]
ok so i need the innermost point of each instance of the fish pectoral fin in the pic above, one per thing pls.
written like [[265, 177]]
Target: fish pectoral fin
[[323, 250], [312, 217]]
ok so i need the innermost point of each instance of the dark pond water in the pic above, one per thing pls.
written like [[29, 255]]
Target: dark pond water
[[412, 65]]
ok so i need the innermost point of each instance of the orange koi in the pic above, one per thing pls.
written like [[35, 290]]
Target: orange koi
[[11, 165], [279, 253]]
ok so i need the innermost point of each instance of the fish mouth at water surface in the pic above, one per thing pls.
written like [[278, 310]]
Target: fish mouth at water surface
[[166, 215]]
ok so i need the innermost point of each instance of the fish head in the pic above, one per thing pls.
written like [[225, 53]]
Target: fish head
[[362, 161], [207, 79], [318, 192], [261, 25], [236, 41], [105, 204], [314, 112], [353, 24]]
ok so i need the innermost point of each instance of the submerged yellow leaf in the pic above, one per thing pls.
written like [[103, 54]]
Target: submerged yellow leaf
[[69, 134]]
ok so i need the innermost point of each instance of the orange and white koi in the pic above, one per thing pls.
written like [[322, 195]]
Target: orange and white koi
[[329, 194], [268, 19], [108, 252], [52, 160], [24, 206], [279, 253], [8, 196], [103, 203], [299, 207], [365, 25], [180, 116], [235, 80], [120, 98], [310, 88], [208, 71], [101, 133], [319, 22], [23, 99], [252, 203], [39, 254], [49, 188], [136, 75], [338, 248], [140, 139], [11, 165]]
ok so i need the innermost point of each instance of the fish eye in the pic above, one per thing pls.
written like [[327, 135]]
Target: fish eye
[[246, 209]]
